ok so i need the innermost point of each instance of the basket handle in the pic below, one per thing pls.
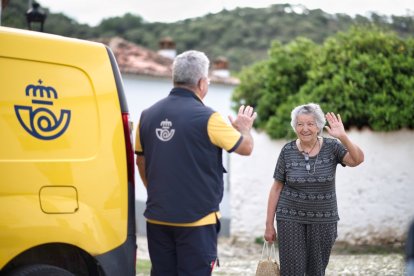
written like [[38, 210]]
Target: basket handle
[[270, 251]]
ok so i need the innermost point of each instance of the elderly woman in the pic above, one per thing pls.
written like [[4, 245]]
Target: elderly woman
[[303, 197]]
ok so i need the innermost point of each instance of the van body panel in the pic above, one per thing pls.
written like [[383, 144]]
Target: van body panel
[[43, 96], [58, 199], [89, 231], [63, 162]]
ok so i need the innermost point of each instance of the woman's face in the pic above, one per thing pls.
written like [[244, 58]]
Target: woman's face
[[306, 128]]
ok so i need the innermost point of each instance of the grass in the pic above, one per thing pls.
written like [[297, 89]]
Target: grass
[[341, 248], [259, 240], [143, 267]]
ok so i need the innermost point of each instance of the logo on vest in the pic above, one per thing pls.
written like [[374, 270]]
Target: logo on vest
[[165, 133]]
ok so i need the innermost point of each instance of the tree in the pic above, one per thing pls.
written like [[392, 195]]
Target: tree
[[268, 84], [365, 74]]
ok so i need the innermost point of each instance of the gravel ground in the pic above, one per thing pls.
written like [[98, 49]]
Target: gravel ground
[[241, 258]]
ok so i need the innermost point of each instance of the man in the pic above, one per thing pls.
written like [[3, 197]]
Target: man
[[179, 146]]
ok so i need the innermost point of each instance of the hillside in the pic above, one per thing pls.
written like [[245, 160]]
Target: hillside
[[242, 35]]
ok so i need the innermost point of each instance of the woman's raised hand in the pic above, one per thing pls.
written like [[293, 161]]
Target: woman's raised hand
[[336, 127]]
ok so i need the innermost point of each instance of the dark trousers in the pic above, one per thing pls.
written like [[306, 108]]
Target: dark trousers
[[304, 249], [182, 251]]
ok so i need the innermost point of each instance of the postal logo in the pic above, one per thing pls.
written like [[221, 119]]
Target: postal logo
[[165, 133], [37, 119]]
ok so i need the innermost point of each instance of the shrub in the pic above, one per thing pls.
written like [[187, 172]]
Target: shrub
[[365, 74]]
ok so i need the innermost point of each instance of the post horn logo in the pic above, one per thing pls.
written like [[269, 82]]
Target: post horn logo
[[165, 133], [37, 119]]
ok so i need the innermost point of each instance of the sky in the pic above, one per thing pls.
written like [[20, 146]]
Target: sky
[[93, 11]]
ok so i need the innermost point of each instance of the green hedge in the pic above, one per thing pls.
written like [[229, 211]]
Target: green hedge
[[365, 74]]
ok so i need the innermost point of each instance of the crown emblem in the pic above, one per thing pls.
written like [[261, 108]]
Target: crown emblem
[[166, 124], [165, 133], [43, 91]]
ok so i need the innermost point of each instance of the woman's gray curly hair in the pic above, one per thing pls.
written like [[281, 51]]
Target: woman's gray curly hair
[[309, 109]]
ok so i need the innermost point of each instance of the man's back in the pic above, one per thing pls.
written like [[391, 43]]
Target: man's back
[[183, 165], [178, 145]]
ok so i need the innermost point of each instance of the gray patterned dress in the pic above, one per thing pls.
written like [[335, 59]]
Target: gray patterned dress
[[307, 211]]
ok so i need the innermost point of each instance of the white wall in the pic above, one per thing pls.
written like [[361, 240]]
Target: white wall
[[142, 92], [375, 199]]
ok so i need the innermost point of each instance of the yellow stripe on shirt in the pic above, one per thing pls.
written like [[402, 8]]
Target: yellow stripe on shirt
[[209, 219], [138, 146]]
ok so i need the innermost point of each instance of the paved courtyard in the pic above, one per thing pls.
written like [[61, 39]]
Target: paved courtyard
[[241, 258]]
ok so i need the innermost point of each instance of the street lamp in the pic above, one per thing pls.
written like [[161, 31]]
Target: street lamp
[[35, 15]]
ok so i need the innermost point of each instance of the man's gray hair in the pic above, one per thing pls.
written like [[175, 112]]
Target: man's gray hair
[[189, 67], [309, 109]]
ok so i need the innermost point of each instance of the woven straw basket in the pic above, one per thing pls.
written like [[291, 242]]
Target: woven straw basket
[[268, 266]]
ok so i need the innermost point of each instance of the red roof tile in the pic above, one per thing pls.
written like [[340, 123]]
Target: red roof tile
[[135, 59]]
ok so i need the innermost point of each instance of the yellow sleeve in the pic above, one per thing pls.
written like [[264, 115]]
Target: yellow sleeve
[[138, 146], [223, 134]]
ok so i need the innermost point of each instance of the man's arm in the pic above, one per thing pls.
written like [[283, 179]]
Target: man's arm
[[244, 123], [140, 157], [141, 169]]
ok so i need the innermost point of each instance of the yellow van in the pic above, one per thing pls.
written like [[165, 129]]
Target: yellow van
[[66, 159]]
